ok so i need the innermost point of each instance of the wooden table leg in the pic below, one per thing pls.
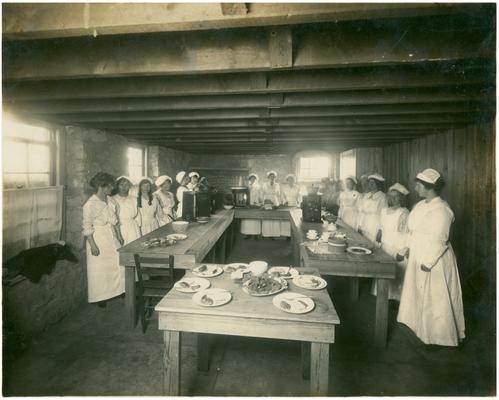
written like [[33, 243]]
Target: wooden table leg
[[203, 352], [221, 249], [305, 360], [213, 254], [381, 312], [171, 363], [228, 239], [130, 304], [319, 369], [354, 288]]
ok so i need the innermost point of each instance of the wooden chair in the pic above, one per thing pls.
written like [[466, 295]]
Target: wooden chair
[[160, 272]]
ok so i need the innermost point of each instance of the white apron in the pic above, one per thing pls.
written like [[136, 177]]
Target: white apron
[[348, 211], [128, 217], [252, 226], [180, 199], [271, 228], [149, 215], [106, 278], [393, 224], [370, 212], [291, 196], [431, 303], [166, 202]]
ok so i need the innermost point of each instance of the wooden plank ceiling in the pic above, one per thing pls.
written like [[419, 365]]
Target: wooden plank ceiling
[[252, 78]]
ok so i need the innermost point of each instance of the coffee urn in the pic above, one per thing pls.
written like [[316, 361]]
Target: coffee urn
[[311, 208], [241, 196]]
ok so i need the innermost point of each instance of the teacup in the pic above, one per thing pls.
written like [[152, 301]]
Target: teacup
[[258, 268]]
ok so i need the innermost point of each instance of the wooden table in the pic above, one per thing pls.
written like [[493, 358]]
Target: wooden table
[[250, 316], [280, 213], [201, 239], [379, 266]]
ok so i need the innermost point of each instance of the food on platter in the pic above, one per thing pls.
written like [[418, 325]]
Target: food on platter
[[264, 285]]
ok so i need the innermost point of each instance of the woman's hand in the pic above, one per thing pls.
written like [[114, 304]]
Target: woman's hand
[[405, 252], [425, 268], [378, 236], [95, 250]]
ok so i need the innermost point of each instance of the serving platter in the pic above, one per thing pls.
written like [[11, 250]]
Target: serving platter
[[192, 285], [207, 271], [293, 303], [177, 236], [213, 297], [229, 268], [310, 282], [284, 272], [358, 250], [264, 285]]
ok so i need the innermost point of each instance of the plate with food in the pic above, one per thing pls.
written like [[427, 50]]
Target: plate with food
[[207, 271], [294, 303], [212, 297], [264, 285], [230, 268], [284, 272], [192, 285], [311, 282], [152, 243], [361, 251], [177, 236]]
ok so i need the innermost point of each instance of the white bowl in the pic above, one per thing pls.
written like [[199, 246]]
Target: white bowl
[[228, 207], [258, 268], [180, 226]]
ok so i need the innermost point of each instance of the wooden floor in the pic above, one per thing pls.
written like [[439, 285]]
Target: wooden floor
[[93, 352]]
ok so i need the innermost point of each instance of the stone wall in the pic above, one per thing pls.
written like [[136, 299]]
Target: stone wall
[[164, 161]]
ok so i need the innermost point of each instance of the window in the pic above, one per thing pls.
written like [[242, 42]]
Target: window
[[136, 162], [29, 155], [347, 164], [311, 169]]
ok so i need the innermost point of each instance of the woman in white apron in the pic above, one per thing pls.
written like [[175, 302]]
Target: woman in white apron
[[125, 208], [348, 203], [166, 199], [392, 236], [291, 197], [431, 304], [193, 181], [371, 205], [271, 192], [182, 180], [106, 278], [148, 206], [252, 227]]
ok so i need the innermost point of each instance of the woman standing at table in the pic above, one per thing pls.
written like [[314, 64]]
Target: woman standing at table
[[166, 199], [148, 207], [431, 304], [291, 197], [252, 227], [127, 213], [106, 278], [182, 179], [348, 203], [371, 205], [271, 192], [392, 235]]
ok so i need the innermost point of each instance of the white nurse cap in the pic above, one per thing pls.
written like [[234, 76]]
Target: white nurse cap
[[162, 179], [180, 176], [378, 177], [255, 175], [429, 175], [290, 176], [193, 173], [352, 178], [123, 177], [399, 188], [272, 172]]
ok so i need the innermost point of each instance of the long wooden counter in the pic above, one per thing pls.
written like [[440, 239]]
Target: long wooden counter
[[201, 239]]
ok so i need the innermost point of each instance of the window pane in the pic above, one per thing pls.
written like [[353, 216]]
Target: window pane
[[24, 131], [314, 168], [135, 162], [15, 156], [39, 158], [39, 180], [12, 181]]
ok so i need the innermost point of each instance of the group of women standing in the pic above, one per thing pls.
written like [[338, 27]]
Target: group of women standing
[[272, 194], [114, 220], [427, 283]]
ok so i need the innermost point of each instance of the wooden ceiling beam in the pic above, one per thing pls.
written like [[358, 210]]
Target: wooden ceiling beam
[[249, 101], [46, 20], [252, 83], [239, 51]]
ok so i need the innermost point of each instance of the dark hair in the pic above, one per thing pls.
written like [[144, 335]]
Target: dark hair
[[437, 186], [101, 179], [139, 195], [402, 199], [379, 185]]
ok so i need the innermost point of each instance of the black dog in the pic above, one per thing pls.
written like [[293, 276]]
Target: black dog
[[35, 262]]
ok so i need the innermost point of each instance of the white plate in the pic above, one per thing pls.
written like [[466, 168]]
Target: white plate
[[195, 285], [297, 302], [284, 286], [177, 236], [236, 267], [219, 297], [311, 282], [361, 251], [203, 221], [211, 271], [284, 272]]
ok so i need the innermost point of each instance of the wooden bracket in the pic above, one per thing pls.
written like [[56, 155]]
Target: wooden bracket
[[281, 47]]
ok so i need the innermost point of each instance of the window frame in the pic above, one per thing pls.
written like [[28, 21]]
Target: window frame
[[143, 149], [309, 180]]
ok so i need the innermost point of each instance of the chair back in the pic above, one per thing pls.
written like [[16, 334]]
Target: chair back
[[154, 267]]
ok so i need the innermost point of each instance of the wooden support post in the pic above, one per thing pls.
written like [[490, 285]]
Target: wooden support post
[[229, 238], [171, 363], [130, 301], [305, 360], [381, 328], [223, 248], [319, 369], [204, 342], [354, 288]]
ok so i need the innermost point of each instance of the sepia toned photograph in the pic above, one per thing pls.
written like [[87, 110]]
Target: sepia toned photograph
[[249, 199]]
